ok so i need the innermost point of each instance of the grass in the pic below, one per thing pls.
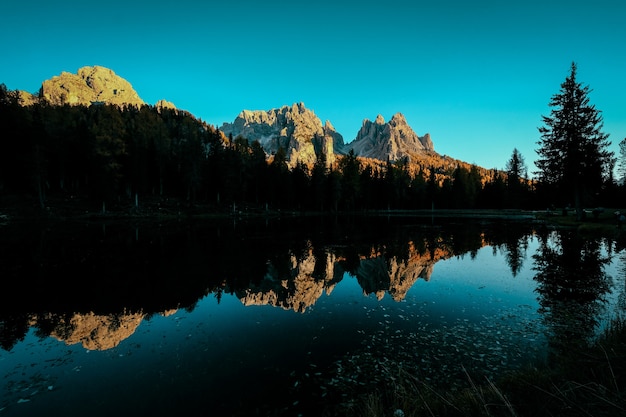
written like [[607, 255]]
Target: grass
[[589, 381]]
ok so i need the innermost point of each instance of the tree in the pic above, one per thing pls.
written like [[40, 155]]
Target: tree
[[516, 173], [621, 168], [516, 167], [573, 154], [350, 168], [319, 176]]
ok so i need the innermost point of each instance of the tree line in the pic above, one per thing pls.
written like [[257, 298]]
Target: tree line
[[113, 155]]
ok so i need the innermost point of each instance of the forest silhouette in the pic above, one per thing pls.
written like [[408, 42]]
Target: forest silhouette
[[120, 158]]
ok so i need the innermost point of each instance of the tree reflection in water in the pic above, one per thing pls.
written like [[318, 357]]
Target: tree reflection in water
[[572, 287], [440, 299]]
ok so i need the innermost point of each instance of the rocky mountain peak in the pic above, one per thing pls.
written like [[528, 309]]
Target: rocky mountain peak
[[295, 128], [393, 140], [89, 85], [398, 118], [164, 104]]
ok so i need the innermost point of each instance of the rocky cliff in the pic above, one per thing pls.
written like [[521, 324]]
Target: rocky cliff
[[301, 133], [294, 128], [393, 140], [90, 85]]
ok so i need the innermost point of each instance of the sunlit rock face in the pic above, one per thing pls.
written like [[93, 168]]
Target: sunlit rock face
[[393, 140], [164, 104], [309, 277], [26, 99], [294, 128], [394, 275], [96, 332], [90, 85]]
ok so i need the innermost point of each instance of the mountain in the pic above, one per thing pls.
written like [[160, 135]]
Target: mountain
[[294, 128], [301, 133], [394, 140], [90, 85]]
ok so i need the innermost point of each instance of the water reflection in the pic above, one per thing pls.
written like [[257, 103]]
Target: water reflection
[[98, 286], [296, 299], [86, 283], [572, 286]]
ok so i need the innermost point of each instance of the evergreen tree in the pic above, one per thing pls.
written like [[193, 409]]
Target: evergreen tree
[[432, 187], [621, 168], [350, 180], [279, 179], [573, 155], [319, 177], [516, 174]]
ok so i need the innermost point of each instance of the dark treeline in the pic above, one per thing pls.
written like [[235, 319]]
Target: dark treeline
[[109, 156]]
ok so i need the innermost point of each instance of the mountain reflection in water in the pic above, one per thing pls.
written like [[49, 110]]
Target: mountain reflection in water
[[186, 306]]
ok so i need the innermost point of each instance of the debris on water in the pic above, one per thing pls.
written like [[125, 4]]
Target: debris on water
[[438, 353]]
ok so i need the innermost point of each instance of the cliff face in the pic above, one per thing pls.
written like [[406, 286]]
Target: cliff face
[[294, 128], [90, 85], [301, 133], [393, 140]]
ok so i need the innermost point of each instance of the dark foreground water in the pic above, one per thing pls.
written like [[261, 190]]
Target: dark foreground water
[[284, 317]]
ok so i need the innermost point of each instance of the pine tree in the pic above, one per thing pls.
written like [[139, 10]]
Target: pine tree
[[516, 174], [621, 169], [573, 155]]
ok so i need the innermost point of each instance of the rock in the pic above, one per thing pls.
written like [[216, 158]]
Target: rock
[[393, 140], [91, 85], [164, 104], [294, 128]]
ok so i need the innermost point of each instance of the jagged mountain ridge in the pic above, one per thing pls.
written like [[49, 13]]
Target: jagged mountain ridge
[[301, 133], [393, 140], [295, 128]]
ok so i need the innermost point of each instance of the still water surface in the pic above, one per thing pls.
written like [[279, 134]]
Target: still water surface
[[282, 317]]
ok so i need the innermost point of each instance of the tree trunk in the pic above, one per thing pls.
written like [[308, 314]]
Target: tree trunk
[[577, 202]]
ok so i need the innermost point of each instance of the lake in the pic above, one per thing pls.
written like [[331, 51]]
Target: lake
[[285, 316]]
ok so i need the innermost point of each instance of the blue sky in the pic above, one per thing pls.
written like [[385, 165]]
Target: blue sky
[[477, 76]]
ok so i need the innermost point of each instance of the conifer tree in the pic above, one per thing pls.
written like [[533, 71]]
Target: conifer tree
[[573, 155], [516, 174], [621, 169]]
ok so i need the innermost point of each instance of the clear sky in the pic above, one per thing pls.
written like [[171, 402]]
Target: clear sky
[[476, 75]]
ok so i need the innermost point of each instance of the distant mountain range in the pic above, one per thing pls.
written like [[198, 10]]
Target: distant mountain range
[[294, 128]]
